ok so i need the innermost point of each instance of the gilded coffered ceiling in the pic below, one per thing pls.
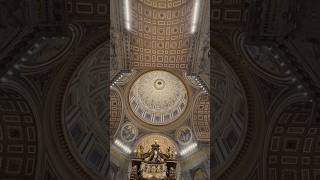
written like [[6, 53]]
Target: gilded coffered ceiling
[[160, 33], [164, 4]]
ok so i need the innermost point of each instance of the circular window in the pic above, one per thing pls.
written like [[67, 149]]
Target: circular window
[[158, 97]]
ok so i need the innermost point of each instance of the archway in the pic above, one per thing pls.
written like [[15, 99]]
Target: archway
[[154, 158]]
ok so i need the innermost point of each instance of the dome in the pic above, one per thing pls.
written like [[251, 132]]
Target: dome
[[158, 97]]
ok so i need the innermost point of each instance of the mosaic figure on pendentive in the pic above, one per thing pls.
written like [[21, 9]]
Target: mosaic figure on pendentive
[[185, 135]]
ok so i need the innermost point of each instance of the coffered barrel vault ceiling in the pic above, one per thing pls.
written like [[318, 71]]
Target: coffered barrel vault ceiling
[[18, 137], [160, 33], [165, 4]]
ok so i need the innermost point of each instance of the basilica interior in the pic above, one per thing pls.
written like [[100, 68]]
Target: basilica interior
[[159, 90]]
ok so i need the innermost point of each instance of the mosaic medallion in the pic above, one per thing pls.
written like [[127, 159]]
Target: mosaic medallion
[[129, 132]]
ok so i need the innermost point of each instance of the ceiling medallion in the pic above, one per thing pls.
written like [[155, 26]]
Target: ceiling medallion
[[129, 132], [158, 97], [184, 135], [159, 84]]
